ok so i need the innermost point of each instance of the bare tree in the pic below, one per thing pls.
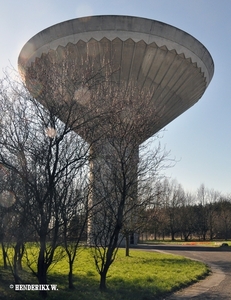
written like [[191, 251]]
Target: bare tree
[[187, 216], [74, 214], [45, 156], [119, 175], [173, 194], [14, 219], [203, 214]]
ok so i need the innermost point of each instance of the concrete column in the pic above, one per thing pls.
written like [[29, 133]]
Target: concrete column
[[113, 177]]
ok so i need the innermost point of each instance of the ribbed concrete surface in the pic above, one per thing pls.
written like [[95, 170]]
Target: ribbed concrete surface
[[161, 59], [124, 27]]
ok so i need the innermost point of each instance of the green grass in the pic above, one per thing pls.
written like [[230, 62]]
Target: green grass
[[141, 276]]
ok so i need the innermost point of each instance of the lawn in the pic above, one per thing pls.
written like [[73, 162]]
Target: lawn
[[141, 276]]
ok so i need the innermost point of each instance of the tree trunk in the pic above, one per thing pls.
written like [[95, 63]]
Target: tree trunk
[[226, 231], [42, 269], [15, 270], [16, 277], [70, 276], [155, 234], [204, 236], [20, 256], [127, 244], [211, 235], [4, 254], [42, 279], [102, 285], [108, 262]]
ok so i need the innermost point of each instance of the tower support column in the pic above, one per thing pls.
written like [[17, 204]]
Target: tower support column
[[113, 190]]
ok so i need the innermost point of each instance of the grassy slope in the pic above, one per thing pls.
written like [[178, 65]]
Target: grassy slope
[[143, 275]]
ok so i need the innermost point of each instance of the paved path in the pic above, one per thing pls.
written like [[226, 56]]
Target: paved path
[[215, 286]]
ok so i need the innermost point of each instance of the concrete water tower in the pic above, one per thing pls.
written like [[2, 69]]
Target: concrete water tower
[[168, 64]]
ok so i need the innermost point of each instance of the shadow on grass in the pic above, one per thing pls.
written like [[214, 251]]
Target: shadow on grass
[[117, 289], [127, 285], [86, 288]]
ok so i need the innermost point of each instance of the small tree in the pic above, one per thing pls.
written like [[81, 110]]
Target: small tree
[[173, 194], [187, 216], [119, 174], [203, 214], [44, 155], [74, 214]]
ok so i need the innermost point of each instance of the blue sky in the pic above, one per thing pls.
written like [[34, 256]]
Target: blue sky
[[200, 138]]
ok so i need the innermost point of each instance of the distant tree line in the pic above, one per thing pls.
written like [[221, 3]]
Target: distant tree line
[[205, 215]]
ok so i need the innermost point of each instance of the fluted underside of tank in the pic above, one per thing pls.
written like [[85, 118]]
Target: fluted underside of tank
[[176, 83]]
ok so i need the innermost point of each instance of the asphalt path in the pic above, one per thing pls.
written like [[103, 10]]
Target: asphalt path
[[217, 285]]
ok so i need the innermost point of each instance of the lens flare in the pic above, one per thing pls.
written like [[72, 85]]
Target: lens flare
[[50, 132], [7, 198]]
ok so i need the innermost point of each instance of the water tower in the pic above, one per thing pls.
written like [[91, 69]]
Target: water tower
[[169, 65]]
